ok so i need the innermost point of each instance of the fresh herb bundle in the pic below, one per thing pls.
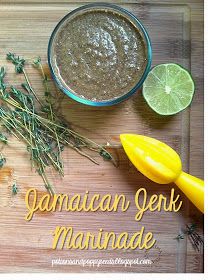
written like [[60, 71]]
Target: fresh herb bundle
[[36, 121]]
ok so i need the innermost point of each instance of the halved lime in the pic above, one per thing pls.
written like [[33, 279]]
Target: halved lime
[[168, 89]]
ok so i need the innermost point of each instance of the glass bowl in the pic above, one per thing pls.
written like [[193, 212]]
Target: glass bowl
[[128, 16]]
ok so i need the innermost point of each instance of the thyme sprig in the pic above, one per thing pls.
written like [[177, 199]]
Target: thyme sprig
[[194, 237], [17, 61], [36, 122], [20, 68]]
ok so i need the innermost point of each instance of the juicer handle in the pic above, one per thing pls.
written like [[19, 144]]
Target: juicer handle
[[193, 188]]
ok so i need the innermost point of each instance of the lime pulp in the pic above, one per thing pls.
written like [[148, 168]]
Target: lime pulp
[[168, 89]]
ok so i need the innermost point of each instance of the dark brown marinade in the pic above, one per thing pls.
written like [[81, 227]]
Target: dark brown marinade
[[100, 55]]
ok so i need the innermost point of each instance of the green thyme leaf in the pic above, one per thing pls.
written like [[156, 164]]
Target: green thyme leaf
[[15, 189], [105, 154], [3, 138], [37, 61], [2, 161]]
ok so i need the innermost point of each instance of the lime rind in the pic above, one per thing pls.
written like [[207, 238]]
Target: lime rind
[[168, 89]]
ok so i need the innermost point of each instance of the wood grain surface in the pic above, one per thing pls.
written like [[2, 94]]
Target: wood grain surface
[[176, 31]]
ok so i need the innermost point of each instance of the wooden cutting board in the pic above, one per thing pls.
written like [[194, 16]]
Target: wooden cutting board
[[176, 30]]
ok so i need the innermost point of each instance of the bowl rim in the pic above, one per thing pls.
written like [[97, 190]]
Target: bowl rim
[[120, 98]]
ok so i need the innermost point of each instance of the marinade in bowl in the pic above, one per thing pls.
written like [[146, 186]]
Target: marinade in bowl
[[99, 54]]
